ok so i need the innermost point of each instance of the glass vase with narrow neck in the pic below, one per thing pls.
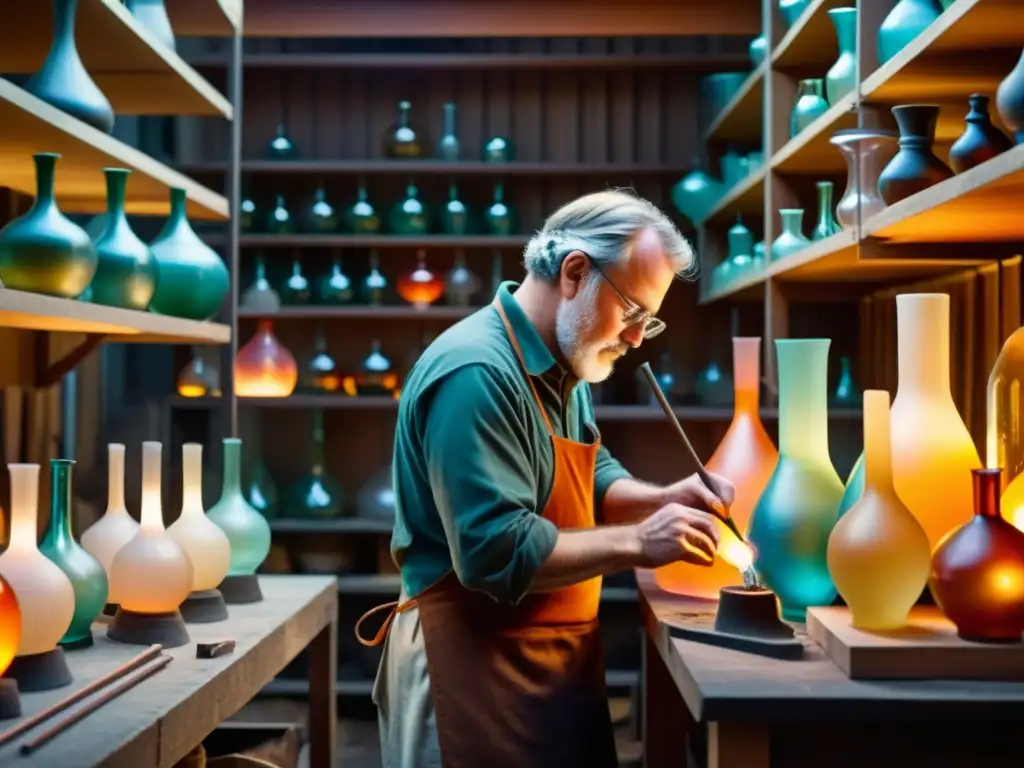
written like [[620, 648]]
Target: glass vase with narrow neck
[[933, 452], [260, 296], [810, 105], [827, 224], [864, 151], [87, 576], [105, 538], [792, 520], [246, 529], [791, 239], [45, 594], [448, 147], [126, 271], [878, 553], [842, 75], [746, 456], [316, 494]]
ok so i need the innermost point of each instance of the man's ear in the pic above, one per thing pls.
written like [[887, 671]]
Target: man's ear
[[575, 268]]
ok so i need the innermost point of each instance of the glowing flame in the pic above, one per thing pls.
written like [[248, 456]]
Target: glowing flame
[[736, 553]]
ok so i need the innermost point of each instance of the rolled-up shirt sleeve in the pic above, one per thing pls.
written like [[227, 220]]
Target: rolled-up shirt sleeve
[[607, 470], [479, 459]]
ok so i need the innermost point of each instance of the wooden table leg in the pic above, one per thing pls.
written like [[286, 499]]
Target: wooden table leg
[[323, 673], [666, 720], [738, 745]]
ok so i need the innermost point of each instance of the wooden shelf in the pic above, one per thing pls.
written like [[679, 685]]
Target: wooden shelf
[[746, 197], [35, 312], [474, 61], [811, 42], [319, 168], [749, 288], [136, 72], [31, 125], [980, 205], [810, 150], [205, 18], [374, 241], [740, 120], [366, 525], [364, 312]]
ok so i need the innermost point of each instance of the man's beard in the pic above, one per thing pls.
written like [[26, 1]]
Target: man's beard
[[574, 323]]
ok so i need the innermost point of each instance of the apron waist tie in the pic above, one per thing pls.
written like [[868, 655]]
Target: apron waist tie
[[393, 608]]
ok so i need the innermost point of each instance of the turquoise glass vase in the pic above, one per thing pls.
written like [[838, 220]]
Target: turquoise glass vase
[[192, 281], [63, 81], [247, 530], [498, 215], [810, 105], [316, 494], [905, 21], [791, 239], [409, 215], [44, 251], [842, 75], [827, 224], [126, 270], [792, 521], [83, 570]]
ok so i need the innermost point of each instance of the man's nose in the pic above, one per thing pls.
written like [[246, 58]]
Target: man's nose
[[634, 334]]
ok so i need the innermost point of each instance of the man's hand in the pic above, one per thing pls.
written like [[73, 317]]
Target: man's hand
[[691, 492], [675, 533]]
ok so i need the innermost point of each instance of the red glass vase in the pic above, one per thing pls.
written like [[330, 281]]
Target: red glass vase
[[421, 287], [977, 575]]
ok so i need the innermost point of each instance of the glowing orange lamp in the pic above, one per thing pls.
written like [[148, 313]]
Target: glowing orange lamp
[[10, 637], [264, 367]]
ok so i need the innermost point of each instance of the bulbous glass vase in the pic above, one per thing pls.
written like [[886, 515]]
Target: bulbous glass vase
[[791, 239], [264, 367], [810, 105]]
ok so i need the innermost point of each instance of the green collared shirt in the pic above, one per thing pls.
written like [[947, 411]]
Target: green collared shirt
[[474, 462]]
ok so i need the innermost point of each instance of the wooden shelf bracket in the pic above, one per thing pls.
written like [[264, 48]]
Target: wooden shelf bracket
[[47, 371]]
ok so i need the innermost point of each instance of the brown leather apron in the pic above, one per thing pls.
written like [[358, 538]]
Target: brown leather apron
[[520, 686]]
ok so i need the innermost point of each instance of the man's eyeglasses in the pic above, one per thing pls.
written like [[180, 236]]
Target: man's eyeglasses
[[634, 314]]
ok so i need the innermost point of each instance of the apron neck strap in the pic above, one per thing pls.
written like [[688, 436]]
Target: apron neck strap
[[522, 363]]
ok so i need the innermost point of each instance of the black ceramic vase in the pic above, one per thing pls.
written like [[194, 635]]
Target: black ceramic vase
[[63, 81], [1010, 101], [914, 167], [980, 140]]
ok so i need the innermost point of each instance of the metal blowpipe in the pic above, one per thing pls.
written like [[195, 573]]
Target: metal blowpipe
[[705, 476]]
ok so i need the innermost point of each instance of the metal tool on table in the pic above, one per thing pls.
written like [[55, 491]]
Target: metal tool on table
[[749, 576]]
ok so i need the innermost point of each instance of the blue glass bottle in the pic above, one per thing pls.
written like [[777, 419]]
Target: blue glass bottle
[[792, 520], [84, 571]]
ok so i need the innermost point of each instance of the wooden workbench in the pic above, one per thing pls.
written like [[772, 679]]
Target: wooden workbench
[[705, 705], [158, 722]]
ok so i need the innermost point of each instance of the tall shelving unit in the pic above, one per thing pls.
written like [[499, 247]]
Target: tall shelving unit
[[44, 338]]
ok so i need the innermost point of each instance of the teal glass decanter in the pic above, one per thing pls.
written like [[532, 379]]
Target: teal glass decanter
[[741, 250], [498, 149], [791, 239], [792, 520], [84, 571], [375, 285], [258, 486], [827, 224], [281, 147], [402, 141], [810, 105], [247, 530], [499, 216], [316, 494], [409, 215], [320, 217], [361, 217], [448, 147], [335, 287], [260, 296], [279, 220], [455, 219], [295, 290], [842, 75], [846, 393], [320, 372], [905, 21]]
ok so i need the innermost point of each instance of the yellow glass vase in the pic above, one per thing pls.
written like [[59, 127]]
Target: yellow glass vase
[[878, 553], [1004, 441], [747, 457], [932, 451]]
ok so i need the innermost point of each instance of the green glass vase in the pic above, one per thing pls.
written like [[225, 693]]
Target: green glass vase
[[281, 147], [44, 251], [842, 75], [126, 271], [791, 239], [810, 105], [361, 217], [260, 296], [792, 520], [83, 570], [296, 290], [498, 149], [192, 281], [335, 287], [409, 215], [63, 81], [375, 285], [320, 218], [846, 393], [246, 529], [279, 220], [455, 219], [315, 494], [499, 215], [448, 146], [741, 250], [827, 224]]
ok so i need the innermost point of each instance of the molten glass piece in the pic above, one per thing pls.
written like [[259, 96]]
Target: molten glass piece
[[878, 553], [977, 574], [421, 287], [10, 625], [264, 367], [747, 457]]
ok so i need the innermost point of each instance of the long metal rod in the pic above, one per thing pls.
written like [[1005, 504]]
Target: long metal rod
[[705, 476], [234, 195]]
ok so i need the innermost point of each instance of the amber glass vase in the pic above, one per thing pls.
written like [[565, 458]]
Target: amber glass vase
[[421, 287], [977, 574], [1005, 442], [264, 367], [878, 553], [746, 456]]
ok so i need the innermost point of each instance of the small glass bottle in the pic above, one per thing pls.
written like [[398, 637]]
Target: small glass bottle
[[409, 215], [322, 220], [827, 224], [420, 287], [335, 287], [499, 216], [199, 378], [279, 220], [375, 285], [281, 147], [455, 220], [320, 373], [316, 494], [810, 105], [448, 147], [361, 217], [260, 296], [296, 290], [402, 141], [460, 283], [791, 239]]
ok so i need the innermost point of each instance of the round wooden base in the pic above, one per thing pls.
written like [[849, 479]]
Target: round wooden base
[[753, 612], [241, 589], [166, 629], [40, 671], [204, 607], [10, 699]]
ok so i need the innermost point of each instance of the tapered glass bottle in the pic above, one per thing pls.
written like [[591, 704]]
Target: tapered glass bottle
[[320, 372], [246, 529], [264, 367], [791, 239], [827, 224], [83, 570], [200, 378], [320, 219], [104, 538], [793, 518], [878, 554], [281, 147], [206, 545], [421, 287], [977, 574], [316, 494], [45, 594], [152, 573], [932, 451], [460, 284], [842, 75], [455, 218], [846, 393], [375, 285], [448, 147], [279, 219], [747, 457]]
